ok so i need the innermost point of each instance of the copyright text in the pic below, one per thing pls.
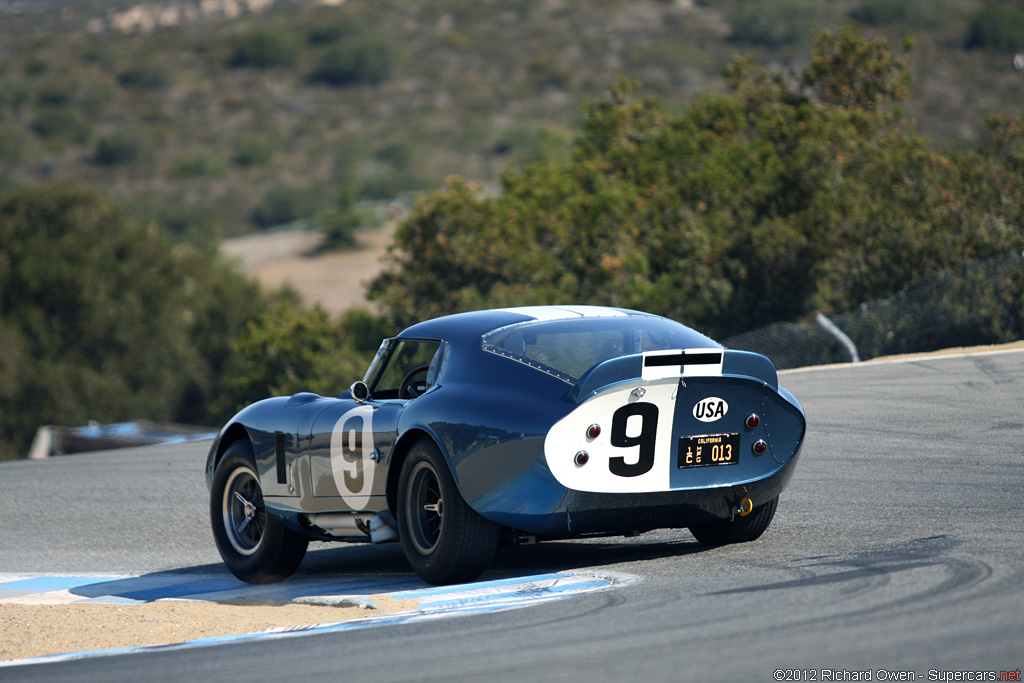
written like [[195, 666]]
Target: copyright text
[[892, 675]]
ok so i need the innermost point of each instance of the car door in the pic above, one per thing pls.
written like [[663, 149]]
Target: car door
[[351, 441]]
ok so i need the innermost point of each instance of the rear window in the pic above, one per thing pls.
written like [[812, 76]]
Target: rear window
[[566, 349]]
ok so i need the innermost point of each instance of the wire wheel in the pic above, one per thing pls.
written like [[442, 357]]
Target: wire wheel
[[444, 540], [426, 508], [256, 546], [245, 517]]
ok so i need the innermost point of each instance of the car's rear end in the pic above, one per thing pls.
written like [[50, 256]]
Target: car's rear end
[[674, 438]]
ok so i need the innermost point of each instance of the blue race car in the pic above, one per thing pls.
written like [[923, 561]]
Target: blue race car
[[545, 422]]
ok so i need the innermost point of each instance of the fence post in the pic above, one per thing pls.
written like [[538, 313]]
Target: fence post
[[830, 327]]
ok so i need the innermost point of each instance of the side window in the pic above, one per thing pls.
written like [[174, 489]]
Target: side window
[[410, 370]]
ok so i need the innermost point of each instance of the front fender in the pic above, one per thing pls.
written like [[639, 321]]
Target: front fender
[[275, 427]]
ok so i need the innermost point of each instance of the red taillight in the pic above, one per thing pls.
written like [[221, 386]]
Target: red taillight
[[759, 447], [753, 421], [581, 459], [593, 431]]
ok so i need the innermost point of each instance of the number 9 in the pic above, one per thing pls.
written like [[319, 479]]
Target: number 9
[[648, 413]]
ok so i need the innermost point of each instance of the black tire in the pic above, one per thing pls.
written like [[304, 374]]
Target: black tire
[[256, 546], [738, 530], [444, 540]]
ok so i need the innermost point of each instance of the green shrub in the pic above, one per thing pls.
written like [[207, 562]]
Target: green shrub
[[253, 152], [781, 197], [146, 76], [195, 165], [122, 148], [544, 145], [265, 49], [332, 32], [397, 155], [909, 13], [997, 28], [36, 66], [61, 123], [102, 319], [14, 143], [289, 349], [339, 226], [189, 224], [388, 185], [776, 23], [548, 70], [360, 62], [54, 93], [286, 204]]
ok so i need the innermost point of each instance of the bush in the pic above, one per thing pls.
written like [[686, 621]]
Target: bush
[[287, 204], [195, 165], [360, 62], [997, 28], [779, 198], [332, 32], [14, 143], [101, 319], [265, 49], [61, 124], [908, 13], [776, 23], [122, 148], [289, 349], [189, 224], [545, 145], [339, 226], [389, 184], [397, 155], [253, 152], [146, 76], [54, 93]]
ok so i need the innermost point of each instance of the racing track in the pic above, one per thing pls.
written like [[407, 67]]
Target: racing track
[[898, 547]]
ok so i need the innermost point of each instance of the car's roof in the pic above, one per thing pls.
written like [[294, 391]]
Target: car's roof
[[474, 325]]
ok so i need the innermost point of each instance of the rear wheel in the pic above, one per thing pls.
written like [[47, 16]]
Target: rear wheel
[[255, 546], [739, 529], [444, 540]]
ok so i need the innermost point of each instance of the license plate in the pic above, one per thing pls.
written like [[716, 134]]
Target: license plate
[[709, 450]]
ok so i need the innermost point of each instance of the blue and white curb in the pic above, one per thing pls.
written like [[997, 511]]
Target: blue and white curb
[[433, 601]]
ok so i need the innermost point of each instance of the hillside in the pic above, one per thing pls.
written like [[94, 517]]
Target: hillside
[[218, 117]]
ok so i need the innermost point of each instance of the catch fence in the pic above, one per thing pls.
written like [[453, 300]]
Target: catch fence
[[975, 302]]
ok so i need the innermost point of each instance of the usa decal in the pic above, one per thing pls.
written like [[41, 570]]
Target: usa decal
[[710, 409]]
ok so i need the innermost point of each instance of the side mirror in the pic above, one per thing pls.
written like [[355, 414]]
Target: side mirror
[[360, 392]]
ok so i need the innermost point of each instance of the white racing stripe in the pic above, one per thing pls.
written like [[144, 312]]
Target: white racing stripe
[[433, 601]]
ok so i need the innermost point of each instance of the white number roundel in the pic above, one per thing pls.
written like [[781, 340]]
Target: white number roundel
[[351, 446]]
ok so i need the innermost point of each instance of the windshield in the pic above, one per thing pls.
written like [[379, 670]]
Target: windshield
[[566, 349]]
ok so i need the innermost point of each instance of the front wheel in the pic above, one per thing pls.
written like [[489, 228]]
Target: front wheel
[[444, 540], [255, 546], [738, 530]]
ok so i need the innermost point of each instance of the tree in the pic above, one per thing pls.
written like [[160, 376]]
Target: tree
[[101, 319], [787, 195], [287, 349]]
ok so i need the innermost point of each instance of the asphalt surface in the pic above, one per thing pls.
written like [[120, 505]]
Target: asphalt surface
[[896, 548]]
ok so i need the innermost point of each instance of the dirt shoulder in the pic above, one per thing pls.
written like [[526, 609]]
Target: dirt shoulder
[[953, 351], [924, 355], [335, 279], [33, 630]]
